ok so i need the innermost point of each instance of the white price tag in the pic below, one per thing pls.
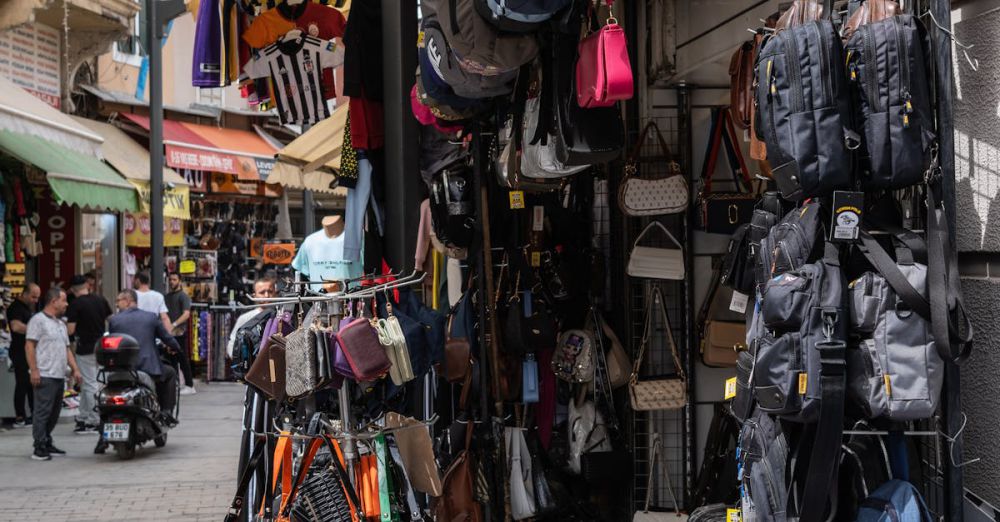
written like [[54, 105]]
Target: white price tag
[[538, 218], [739, 302]]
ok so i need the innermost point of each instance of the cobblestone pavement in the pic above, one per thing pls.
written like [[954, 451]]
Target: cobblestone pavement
[[192, 478]]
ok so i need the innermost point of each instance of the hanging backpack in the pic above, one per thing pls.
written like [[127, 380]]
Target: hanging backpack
[[453, 212], [763, 455], [889, 77], [439, 63], [803, 109], [894, 501], [479, 47], [519, 16]]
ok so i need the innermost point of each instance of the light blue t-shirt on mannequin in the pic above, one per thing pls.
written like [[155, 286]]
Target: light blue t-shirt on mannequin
[[322, 258]]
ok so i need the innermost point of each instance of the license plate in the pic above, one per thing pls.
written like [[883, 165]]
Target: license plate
[[116, 432]]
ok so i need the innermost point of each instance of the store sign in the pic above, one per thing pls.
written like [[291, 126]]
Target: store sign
[[197, 179], [57, 232], [29, 57], [14, 278], [176, 200], [279, 253], [137, 229], [229, 184], [243, 167]]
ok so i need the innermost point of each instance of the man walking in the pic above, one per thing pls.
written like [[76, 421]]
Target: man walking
[[150, 300], [18, 315], [179, 311], [48, 352], [86, 319]]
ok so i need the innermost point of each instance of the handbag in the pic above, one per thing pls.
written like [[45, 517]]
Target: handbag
[[365, 354], [652, 195], [458, 501], [417, 453], [522, 487], [390, 335], [653, 262], [267, 373], [587, 433], [529, 379], [619, 364], [340, 363], [723, 212], [300, 363], [723, 330], [645, 515], [538, 154], [573, 360], [457, 357], [603, 70], [668, 393]]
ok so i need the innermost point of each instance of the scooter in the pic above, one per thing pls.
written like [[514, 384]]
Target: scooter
[[129, 410]]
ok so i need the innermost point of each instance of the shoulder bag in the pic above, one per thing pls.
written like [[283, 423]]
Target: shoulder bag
[[645, 515], [603, 70], [363, 351], [664, 393], [390, 335], [652, 195], [573, 360], [538, 155], [300, 363], [522, 488], [458, 501], [267, 374], [724, 331], [654, 262], [724, 212], [619, 364]]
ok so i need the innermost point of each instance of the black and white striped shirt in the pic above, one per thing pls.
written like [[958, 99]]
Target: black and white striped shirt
[[295, 68]]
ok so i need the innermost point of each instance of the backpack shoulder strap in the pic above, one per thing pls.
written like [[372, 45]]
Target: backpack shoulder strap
[[888, 268], [239, 500]]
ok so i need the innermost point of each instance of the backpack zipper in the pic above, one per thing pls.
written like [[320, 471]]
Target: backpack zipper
[[826, 77], [772, 498], [772, 90], [872, 69], [794, 72], [904, 72]]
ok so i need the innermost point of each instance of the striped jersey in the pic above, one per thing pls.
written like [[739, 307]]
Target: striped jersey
[[295, 68]]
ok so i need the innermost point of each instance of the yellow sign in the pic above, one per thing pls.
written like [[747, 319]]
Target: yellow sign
[[137, 231], [186, 267], [516, 199], [733, 515], [176, 200], [730, 388]]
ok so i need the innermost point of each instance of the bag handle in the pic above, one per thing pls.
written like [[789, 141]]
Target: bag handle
[[656, 298], [661, 227], [723, 133], [633, 158], [236, 508], [655, 452]]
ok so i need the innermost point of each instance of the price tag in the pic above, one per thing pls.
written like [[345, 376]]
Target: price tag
[[516, 199], [420, 39], [847, 215], [739, 302], [536, 259], [538, 218], [733, 515], [803, 383], [186, 267], [730, 388]]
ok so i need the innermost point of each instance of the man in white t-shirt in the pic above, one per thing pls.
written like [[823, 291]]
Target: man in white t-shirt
[[150, 300], [261, 288]]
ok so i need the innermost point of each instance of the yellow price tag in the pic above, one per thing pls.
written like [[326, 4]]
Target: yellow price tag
[[187, 266], [733, 515], [420, 39], [516, 199], [888, 385], [803, 383], [536, 259], [730, 388]]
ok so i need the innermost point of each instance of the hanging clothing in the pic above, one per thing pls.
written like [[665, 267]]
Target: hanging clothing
[[354, 213], [367, 123], [324, 258], [348, 175], [363, 61], [294, 68], [207, 60]]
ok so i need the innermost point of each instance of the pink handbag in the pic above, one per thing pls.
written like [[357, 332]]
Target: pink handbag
[[603, 70]]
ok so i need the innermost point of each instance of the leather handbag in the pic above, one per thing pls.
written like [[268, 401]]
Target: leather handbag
[[868, 12], [457, 501], [390, 335], [267, 373], [457, 357], [741, 72], [538, 153], [653, 262], [661, 393], [300, 363], [724, 212], [800, 12], [645, 515], [417, 453], [365, 354], [603, 70], [587, 433], [522, 486], [652, 195], [724, 331], [573, 360], [619, 365]]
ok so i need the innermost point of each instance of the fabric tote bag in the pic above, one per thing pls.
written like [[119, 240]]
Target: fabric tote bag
[[655, 262]]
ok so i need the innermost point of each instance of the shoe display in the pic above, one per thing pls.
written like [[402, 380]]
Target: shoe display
[[54, 451], [41, 454], [188, 390]]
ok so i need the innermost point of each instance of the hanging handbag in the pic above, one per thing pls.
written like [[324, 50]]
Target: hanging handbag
[[365, 354], [603, 70], [723, 330], [619, 365], [457, 501], [417, 453], [573, 360], [645, 515], [340, 363], [267, 373], [390, 335], [529, 379], [663, 393], [652, 195], [300, 363], [538, 153], [653, 262], [723, 212], [587, 433], [522, 487]]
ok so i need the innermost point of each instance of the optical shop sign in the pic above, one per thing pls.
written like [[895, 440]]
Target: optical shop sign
[[176, 200], [137, 230]]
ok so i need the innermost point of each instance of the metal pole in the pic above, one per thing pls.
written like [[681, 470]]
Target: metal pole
[[308, 213], [952, 404], [155, 31]]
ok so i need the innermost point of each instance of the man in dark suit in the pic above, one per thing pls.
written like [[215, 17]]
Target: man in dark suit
[[146, 328]]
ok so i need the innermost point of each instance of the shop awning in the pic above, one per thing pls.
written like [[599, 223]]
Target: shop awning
[[22, 113], [75, 178], [201, 147], [312, 159]]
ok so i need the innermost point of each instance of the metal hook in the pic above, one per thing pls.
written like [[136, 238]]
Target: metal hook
[[973, 62]]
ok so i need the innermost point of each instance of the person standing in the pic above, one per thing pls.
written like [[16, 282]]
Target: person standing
[[48, 352], [150, 300], [262, 288], [179, 311], [86, 319], [18, 315]]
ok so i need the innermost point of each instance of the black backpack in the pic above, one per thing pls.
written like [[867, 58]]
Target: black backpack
[[453, 209], [803, 110], [519, 15], [890, 84], [248, 339]]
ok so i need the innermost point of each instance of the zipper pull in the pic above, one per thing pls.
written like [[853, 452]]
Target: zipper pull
[[772, 88], [907, 110], [854, 72]]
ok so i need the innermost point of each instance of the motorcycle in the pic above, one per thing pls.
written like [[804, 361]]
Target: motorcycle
[[130, 412]]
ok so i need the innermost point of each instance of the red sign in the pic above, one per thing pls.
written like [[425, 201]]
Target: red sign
[[57, 232], [244, 167], [229, 184]]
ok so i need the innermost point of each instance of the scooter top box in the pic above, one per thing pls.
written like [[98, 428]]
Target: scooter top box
[[117, 351]]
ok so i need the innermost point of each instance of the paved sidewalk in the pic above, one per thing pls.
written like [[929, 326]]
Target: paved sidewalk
[[191, 478]]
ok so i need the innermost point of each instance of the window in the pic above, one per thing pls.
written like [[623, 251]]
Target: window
[[213, 96], [128, 49]]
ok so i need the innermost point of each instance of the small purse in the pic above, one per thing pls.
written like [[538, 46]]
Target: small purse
[[619, 365], [652, 196], [300, 363], [603, 70], [267, 373], [529, 379], [653, 262], [645, 515], [363, 351], [340, 362], [668, 393], [522, 487], [573, 360], [390, 335], [724, 212]]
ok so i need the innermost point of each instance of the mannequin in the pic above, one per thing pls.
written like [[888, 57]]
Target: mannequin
[[321, 255], [333, 225]]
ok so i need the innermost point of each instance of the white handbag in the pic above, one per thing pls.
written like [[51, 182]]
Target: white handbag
[[652, 196], [538, 160], [653, 262], [645, 515], [522, 489], [587, 432]]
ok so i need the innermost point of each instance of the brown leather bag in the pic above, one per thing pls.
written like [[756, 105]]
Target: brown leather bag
[[267, 373], [870, 11], [457, 357], [741, 69], [801, 12], [723, 330], [458, 502]]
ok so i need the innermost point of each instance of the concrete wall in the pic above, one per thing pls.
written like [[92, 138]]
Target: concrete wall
[[977, 165]]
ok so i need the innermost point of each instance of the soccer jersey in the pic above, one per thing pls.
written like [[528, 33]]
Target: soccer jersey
[[295, 68], [208, 52]]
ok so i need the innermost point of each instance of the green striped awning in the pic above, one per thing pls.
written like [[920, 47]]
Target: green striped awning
[[75, 178]]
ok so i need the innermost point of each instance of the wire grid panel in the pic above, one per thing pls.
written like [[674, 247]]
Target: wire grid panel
[[670, 426]]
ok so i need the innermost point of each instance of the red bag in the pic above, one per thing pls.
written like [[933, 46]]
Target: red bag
[[603, 70]]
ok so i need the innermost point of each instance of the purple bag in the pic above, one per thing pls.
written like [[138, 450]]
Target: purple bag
[[269, 329], [340, 362]]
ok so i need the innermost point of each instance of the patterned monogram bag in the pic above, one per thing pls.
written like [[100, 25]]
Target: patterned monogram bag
[[659, 393], [652, 195]]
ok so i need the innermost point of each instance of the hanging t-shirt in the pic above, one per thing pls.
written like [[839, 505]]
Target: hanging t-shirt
[[325, 23], [294, 68], [321, 258], [208, 53]]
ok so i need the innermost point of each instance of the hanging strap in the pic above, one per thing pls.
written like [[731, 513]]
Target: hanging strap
[[723, 133], [949, 322], [282, 468], [889, 269], [633, 158], [659, 225], [236, 508], [656, 298], [654, 454]]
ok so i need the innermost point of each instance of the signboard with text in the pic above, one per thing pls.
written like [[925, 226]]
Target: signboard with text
[[229, 184], [137, 230], [176, 200], [244, 167], [57, 230], [30, 57]]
